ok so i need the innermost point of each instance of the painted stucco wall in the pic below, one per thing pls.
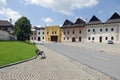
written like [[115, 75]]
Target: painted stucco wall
[[69, 33]]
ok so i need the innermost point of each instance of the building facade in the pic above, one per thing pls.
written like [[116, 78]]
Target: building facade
[[38, 34], [97, 31], [33, 37], [52, 34], [92, 31], [6, 31], [41, 34], [73, 32]]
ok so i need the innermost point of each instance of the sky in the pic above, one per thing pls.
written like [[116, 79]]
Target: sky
[[55, 12]]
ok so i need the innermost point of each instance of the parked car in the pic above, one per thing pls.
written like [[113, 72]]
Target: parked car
[[110, 42]]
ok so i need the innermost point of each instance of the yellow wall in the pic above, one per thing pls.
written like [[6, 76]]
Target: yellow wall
[[52, 31]]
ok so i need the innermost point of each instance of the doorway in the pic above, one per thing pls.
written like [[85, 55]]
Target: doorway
[[73, 39], [39, 39], [100, 39], [80, 39], [54, 38]]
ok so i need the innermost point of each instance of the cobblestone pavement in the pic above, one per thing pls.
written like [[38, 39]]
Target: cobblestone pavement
[[54, 67]]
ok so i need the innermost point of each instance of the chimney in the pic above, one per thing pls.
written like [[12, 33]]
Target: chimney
[[10, 20]]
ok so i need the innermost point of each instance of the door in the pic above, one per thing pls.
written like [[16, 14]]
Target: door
[[100, 39], [54, 38], [73, 39], [39, 39], [80, 39]]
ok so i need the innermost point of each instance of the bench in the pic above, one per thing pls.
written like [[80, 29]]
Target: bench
[[38, 52]]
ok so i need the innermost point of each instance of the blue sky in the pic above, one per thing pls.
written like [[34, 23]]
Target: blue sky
[[55, 12]]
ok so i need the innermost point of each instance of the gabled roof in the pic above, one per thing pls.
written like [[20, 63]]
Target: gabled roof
[[114, 18], [94, 20], [5, 23], [67, 23], [79, 22]]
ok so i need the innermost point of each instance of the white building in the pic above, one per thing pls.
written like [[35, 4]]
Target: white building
[[96, 31], [37, 35], [40, 34]]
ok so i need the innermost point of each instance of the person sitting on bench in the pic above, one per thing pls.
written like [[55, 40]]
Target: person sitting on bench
[[38, 52]]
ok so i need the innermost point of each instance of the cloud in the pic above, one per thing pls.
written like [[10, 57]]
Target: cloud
[[63, 6], [47, 20], [9, 13], [3, 3]]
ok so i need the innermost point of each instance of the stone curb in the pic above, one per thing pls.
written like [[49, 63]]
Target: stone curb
[[15, 63]]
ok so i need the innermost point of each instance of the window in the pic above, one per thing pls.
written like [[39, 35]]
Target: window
[[64, 32], [32, 38], [64, 38], [93, 38], [68, 38], [47, 32], [73, 32], [100, 30], [106, 29], [43, 38], [43, 32], [112, 38], [80, 32], [106, 38], [39, 33], [68, 32], [88, 30], [34, 33], [112, 29], [88, 38], [93, 30]]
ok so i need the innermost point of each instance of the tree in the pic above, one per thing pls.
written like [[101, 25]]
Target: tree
[[22, 29]]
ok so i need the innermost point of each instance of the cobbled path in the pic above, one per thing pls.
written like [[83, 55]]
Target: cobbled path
[[54, 67]]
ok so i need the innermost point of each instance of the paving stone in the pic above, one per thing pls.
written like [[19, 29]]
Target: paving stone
[[54, 67]]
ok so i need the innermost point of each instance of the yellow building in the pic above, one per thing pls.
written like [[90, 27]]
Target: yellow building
[[52, 33]]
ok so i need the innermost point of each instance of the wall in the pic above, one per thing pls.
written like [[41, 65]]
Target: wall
[[4, 35], [40, 35], [67, 34], [52, 31], [97, 33]]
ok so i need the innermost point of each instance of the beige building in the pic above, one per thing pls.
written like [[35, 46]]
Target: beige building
[[73, 32], [52, 34]]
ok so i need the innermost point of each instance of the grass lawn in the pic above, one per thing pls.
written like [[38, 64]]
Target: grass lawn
[[13, 51]]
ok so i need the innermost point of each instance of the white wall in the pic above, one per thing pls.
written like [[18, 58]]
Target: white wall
[[4, 35], [41, 35], [97, 34]]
